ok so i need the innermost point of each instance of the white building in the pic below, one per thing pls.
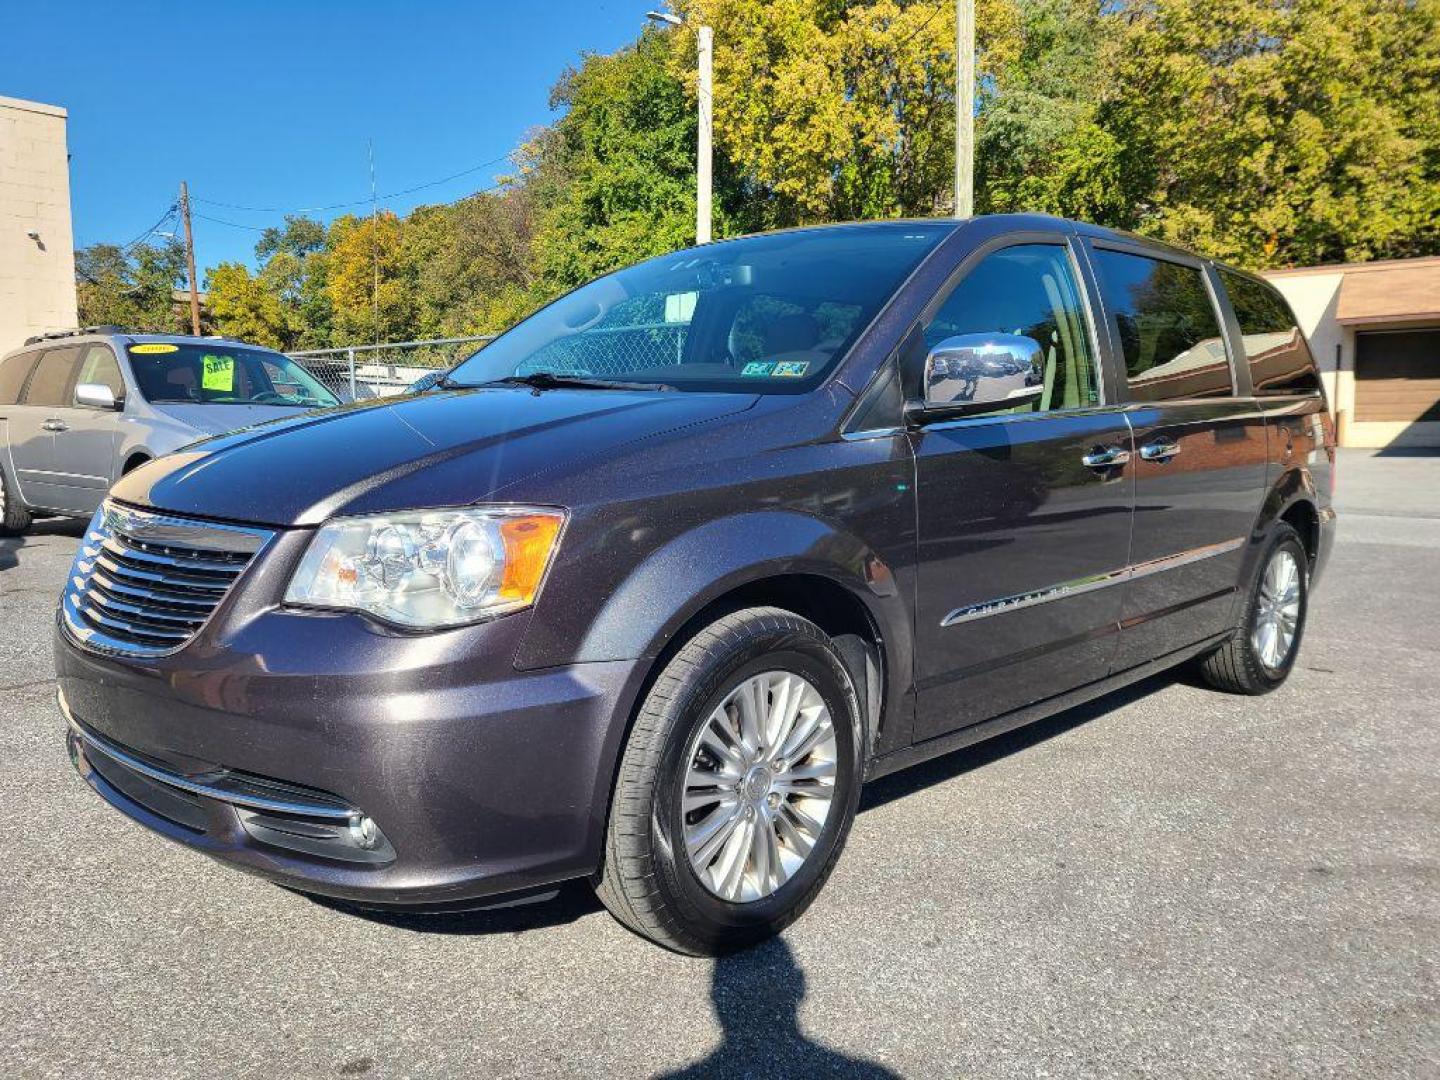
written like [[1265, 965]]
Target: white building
[[37, 256]]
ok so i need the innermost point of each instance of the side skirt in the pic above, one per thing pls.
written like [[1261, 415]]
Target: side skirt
[[1029, 714]]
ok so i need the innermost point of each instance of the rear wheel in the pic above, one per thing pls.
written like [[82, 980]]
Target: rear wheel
[[737, 787], [1259, 656], [14, 517]]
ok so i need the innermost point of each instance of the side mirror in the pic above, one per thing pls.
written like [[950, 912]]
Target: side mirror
[[977, 373], [97, 396]]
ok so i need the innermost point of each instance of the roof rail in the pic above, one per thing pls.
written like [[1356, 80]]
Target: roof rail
[[80, 331]]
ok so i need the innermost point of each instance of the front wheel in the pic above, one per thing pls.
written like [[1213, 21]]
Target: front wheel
[[737, 787], [1259, 656]]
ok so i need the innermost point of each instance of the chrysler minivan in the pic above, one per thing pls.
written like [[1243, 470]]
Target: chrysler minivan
[[648, 587]]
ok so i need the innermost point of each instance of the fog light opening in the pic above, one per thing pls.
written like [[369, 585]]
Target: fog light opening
[[364, 833]]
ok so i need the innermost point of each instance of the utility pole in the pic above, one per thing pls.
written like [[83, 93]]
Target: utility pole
[[705, 54], [964, 108], [190, 259]]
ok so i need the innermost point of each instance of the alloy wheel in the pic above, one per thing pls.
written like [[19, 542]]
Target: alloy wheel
[[1277, 610], [759, 786]]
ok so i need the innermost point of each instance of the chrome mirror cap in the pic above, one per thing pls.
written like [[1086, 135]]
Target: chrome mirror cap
[[975, 373]]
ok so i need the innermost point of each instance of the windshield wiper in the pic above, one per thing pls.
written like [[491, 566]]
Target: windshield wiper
[[549, 380]]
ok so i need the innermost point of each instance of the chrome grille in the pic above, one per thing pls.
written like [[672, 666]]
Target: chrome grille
[[143, 583]]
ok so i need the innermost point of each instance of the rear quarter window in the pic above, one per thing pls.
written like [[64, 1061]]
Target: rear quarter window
[[1167, 327], [1280, 361], [13, 373]]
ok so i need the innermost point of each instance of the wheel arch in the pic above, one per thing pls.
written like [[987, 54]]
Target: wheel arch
[[1295, 499], [134, 458]]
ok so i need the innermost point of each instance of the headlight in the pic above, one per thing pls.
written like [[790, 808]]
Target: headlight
[[430, 568]]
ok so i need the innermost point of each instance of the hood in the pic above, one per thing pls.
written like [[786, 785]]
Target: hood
[[218, 419], [435, 449]]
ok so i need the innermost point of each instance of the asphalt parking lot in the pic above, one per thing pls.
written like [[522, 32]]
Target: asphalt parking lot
[[1169, 882]]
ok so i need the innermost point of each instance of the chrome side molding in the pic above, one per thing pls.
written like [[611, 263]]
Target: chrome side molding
[[1089, 584]]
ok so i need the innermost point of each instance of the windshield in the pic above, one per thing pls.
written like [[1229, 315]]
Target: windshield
[[224, 374], [766, 314]]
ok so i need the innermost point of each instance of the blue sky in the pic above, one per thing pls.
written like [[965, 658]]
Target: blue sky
[[267, 104]]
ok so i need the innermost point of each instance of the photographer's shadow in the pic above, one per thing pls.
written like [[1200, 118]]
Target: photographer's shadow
[[757, 996]]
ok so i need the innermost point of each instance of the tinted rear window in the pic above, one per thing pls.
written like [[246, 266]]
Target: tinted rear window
[[50, 384], [1167, 327], [1280, 361], [13, 373]]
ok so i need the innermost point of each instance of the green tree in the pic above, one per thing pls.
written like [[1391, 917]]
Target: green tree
[[1277, 132], [841, 110], [615, 178], [134, 289], [1041, 146]]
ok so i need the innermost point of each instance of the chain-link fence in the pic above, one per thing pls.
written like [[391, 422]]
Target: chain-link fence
[[611, 350], [366, 371]]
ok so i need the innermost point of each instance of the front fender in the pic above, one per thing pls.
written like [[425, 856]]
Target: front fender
[[699, 567]]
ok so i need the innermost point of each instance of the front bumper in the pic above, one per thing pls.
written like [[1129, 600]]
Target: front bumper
[[269, 743]]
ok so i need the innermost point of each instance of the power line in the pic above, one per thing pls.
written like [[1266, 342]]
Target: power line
[[353, 202], [169, 210], [262, 228], [221, 221]]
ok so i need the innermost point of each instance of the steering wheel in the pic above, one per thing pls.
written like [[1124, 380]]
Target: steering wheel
[[266, 395]]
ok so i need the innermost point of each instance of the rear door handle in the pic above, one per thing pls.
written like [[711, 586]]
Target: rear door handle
[[55, 425], [1106, 457], [1161, 450]]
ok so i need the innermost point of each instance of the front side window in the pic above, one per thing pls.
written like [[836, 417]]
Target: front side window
[[50, 383], [763, 314], [1167, 327], [1029, 290], [98, 365], [223, 374], [1280, 361]]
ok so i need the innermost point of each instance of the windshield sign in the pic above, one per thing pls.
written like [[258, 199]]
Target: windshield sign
[[764, 314], [222, 374]]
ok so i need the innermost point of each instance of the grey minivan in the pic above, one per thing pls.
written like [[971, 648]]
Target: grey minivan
[[645, 590], [79, 409]]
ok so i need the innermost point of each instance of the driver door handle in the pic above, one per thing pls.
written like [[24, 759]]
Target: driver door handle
[[1161, 450], [1106, 457], [55, 425]]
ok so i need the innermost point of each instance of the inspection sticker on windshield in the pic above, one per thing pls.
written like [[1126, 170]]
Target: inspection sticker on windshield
[[154, 347], [790, 369], [757, 368], [219, 373]]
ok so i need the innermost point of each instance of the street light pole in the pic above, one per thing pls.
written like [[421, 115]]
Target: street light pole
[[964, 108], [705, 126], [705, 54]]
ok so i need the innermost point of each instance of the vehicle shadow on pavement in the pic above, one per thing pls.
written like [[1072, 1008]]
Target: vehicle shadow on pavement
[[757, 996], [11, 546], [570, 901], [959, 762]]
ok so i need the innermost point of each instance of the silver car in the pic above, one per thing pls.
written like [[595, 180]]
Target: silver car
[[78, 410]]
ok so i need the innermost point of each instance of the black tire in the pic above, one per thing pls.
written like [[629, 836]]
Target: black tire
[[1236, 667], [14, 517], [647, 880]]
